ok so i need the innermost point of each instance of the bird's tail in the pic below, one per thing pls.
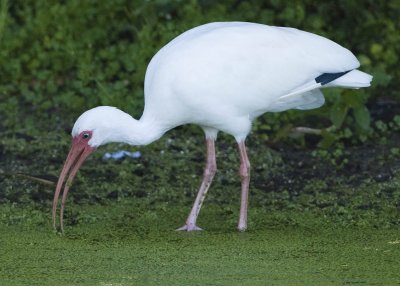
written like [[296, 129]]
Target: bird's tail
[[352, 79]]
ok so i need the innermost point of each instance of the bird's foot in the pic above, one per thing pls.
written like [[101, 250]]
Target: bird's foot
[[189, 227]]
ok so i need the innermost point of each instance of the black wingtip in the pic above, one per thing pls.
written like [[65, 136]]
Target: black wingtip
[[328, 77]]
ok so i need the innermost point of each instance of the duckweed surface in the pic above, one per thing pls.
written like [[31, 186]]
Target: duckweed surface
[[125, 244]]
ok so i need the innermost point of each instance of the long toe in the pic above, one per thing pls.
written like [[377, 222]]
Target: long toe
[[189, 228]]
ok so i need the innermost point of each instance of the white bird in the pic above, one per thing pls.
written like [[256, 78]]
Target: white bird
[[220, 76]]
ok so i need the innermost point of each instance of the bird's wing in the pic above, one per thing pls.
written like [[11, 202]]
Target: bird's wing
[[242, 68]]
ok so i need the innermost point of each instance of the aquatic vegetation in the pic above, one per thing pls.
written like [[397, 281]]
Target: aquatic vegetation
[[126, 243]]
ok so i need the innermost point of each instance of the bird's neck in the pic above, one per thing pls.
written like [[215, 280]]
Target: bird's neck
[[143, 131]]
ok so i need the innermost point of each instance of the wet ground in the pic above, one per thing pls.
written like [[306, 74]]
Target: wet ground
[[361, 180], [315, 218]]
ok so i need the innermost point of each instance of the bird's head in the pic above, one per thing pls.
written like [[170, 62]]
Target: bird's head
[[95, 127]]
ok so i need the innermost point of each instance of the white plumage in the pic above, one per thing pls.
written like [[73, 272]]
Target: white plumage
[[222, 76]]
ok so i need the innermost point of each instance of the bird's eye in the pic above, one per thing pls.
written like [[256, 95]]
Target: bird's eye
[[85, 135]]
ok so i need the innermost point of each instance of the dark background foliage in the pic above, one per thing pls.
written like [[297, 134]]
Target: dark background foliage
[[59, 58]]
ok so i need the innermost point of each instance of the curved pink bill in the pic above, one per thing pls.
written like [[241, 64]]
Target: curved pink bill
[[78, 153]]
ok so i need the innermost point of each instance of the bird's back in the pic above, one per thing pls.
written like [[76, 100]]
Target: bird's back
[[236, 69]]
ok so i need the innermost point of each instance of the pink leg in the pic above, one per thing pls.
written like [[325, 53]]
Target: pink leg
[[245, 175], [209, 172]]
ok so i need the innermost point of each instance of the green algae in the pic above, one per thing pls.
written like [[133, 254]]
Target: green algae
[[127, 244]]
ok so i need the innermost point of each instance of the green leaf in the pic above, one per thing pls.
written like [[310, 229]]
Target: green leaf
[[376, 49], [353, 100], [328, 139], [338, 114], [381, 77], [362, 116]]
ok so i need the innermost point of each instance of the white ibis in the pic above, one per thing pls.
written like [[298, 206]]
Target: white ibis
[[220, 76]]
